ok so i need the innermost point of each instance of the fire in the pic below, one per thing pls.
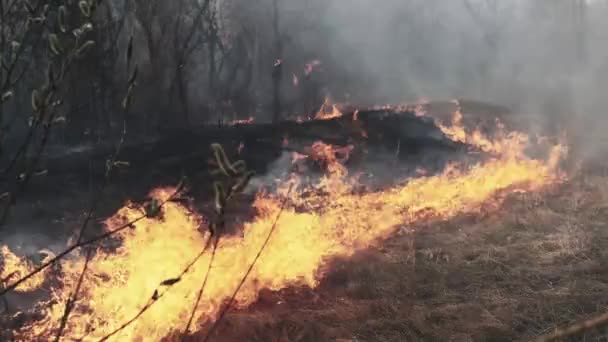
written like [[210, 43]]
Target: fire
[[119, 283], [331, 156], [12, 268], [331, 159], [502, 143], [328, 110]]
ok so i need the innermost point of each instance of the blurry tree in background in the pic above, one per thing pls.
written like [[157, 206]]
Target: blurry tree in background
[[204, 61]]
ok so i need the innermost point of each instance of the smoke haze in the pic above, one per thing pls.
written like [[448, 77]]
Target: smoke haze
[[537, 56]]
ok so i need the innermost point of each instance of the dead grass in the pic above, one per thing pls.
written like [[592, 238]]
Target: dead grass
[[537, 263]]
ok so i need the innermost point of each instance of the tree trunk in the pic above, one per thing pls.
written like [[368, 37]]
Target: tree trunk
[[277, 74]]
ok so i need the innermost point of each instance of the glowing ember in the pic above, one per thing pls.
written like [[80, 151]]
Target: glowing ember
[[421, 171], [242, 122], [121, 282]]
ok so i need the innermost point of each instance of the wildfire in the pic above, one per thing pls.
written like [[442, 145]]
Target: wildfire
[[121, 282], [502, 143], [12, 268], [328, 111]]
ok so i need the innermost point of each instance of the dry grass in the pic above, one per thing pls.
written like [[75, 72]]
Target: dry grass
[[537, 263], [511, 275]]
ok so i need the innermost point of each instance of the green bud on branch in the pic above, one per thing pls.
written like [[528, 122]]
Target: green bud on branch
[[54, 44]]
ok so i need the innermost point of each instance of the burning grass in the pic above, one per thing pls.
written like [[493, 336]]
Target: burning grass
[[302, 252], [509, 274]]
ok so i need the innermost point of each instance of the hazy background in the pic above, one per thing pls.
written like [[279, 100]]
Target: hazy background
[[546, 58], [543, 58], [520, 53]]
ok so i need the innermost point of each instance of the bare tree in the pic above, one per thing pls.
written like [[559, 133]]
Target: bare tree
[[277, 74]]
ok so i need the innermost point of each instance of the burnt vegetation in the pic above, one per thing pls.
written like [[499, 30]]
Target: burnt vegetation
[[100, 100]]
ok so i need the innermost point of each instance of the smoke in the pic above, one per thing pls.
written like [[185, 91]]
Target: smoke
[[544, 59], [538, 57]]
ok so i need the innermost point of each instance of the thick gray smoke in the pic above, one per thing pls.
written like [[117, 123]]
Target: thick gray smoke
[[541, 56], [546, 58]]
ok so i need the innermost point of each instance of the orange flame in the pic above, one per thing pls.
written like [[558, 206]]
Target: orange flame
[[12, 268], [503, 143], [328, 111], [120, 283]]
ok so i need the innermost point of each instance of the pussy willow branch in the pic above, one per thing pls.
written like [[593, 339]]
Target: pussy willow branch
[[242, 282], [575, 329], [214, 237], [29, 170], [8, 79], [89, 253], [220, 223], [84, 243], [157, 294], [9, 83]]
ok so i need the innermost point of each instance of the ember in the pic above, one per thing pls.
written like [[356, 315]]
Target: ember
[[243, 122]]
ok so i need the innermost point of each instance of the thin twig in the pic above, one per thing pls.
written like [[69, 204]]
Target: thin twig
[[238, 288], [69, 305], [24, 147], [216, 229], [4, 300], [575, 329], [202, 289], [89, 254], [156, 295]]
